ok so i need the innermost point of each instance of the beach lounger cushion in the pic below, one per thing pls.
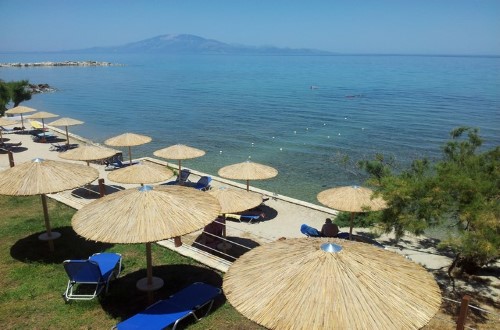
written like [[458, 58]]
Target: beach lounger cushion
[[62, 147], [44, 136], [203, 183], [96, 272], [174, 309]]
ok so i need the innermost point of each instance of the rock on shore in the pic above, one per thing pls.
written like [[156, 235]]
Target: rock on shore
[[65, 63], [40, 88]]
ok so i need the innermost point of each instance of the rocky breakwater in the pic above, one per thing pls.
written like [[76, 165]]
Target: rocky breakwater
[[48, 64]]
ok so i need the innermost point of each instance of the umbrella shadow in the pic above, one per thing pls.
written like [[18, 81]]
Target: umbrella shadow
[[228, 248], [68, 246], [125, 300], [266, 213], [14, 150], [91, 191]]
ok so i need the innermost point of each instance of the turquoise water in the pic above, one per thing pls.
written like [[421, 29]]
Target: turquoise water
[[263, 107]]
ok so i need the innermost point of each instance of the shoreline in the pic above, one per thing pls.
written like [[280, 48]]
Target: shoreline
[[287, 214], [51, 64]]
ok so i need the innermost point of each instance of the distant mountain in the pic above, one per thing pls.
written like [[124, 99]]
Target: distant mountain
[[191, 44]]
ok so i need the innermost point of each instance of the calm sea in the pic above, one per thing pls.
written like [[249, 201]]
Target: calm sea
[[304, 115]]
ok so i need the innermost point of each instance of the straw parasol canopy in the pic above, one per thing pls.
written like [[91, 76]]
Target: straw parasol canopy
[[128, 140], [66, 122], [179, 152], [248, 171], [40, 177], [42, 115], [235, 200], [88, 153], [327, 283], [6, 122], [144, 215], [351, 199], [143, 173], [20, 110]]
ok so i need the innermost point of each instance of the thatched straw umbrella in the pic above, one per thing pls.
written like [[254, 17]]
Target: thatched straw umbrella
[[143, 173], [41, 177], [145, 215], [128, 140], [20, 110], [88, 153], [328, 283], [352, 199], [179, 152], [6, 122], [66, 122], [235, 200], [248, 171], [42, 115]]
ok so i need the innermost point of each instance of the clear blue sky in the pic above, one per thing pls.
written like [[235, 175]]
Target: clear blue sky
[[350, 26]]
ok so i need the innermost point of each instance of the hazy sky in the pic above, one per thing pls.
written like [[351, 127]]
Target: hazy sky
[[350, 26]]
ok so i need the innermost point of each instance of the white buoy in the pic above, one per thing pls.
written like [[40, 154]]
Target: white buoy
[[328, 136], [220, 151], [281, 149], [294, 132], [339, 133]]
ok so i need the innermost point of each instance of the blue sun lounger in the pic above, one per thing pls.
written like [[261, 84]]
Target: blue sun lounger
[[172, 310], [96, 271]]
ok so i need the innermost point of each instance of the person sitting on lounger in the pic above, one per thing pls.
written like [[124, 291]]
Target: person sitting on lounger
[[329, 229]]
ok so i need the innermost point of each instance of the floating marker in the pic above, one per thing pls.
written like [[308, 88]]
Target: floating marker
[[281, 149], [273, 137], [294, 132], [345, 117], [328, 136], [339, 133], [220, 151], [324, 124]]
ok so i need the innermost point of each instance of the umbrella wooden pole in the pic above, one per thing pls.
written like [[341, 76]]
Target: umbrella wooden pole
[[22, 123], [248, 185], [179, 175], [67, 137], [130, 154], [149, 264], [352, 224], [47, 222]]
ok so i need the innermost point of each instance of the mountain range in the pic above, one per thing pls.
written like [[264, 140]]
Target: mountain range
[[191, 44]]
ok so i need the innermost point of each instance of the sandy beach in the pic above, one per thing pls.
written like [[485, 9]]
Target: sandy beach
[[284, 215]]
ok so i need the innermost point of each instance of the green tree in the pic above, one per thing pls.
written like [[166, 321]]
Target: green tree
[[461, 189], [15, 91], [4, 97], [19, 91]]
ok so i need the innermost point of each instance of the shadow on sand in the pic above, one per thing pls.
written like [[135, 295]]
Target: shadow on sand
[[91, 191]]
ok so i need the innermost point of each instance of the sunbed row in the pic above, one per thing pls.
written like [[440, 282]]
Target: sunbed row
[[101, 268]]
